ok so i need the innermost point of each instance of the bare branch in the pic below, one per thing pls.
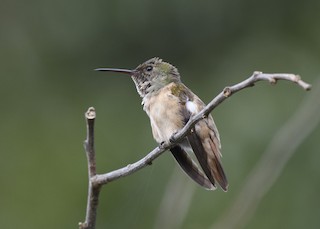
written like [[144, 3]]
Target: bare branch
[[280, 150], [97, 180], [229, 91], [131, 168], [89, 142], [94, 189]]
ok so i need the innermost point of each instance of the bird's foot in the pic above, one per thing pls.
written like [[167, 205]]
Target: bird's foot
[[161, 145]]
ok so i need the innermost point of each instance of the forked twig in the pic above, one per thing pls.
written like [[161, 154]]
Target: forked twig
[[94, 189]]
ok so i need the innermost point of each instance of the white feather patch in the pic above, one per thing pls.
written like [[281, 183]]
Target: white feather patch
[[191, 107]]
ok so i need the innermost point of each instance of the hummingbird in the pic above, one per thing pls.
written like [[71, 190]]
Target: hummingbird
[[169, 105]]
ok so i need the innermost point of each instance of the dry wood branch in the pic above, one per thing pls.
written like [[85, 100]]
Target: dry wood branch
[[281, 148], [94, 189], [229, 91], [97, 180]]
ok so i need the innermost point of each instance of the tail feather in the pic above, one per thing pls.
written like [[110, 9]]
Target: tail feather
[[208, 160], [190, 168]]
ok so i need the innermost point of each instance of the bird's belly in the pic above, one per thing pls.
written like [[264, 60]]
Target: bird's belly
[[166, 119]]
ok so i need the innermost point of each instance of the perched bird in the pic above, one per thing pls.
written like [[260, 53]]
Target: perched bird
[[169, 105]]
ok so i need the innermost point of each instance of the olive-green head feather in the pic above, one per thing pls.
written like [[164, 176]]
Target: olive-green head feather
[[153, 75]]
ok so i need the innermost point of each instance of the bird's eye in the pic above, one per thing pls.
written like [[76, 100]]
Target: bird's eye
[[149, 68]]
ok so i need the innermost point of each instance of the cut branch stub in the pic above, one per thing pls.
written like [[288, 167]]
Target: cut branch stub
[[91, 113]]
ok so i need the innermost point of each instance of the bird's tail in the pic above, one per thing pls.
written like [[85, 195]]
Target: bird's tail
[[191, 168]]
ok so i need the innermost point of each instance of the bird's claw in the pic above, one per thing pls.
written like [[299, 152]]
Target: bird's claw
[[161, 144]]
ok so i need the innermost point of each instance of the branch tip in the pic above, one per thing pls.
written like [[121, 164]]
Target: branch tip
[[308, 87], [297, 79], [91, 113]]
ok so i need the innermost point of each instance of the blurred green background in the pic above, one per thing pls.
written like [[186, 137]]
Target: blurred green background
[[48, 50]]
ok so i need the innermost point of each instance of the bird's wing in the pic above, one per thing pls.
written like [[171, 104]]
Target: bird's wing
[[190, 168], [205, 146], [204, 140]]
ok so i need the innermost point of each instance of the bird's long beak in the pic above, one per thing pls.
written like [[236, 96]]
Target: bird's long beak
[[125, 71]]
